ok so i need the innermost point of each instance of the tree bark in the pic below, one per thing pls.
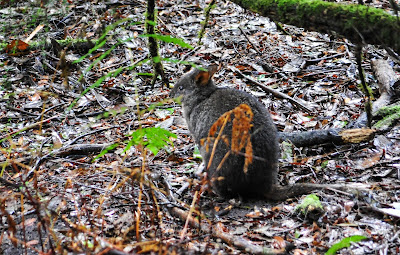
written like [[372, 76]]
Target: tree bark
[[332, 136], [358, 23]]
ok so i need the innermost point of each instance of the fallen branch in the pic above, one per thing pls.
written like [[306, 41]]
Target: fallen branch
[[9, 135], [272, 91], [81, 149], [333, 136]]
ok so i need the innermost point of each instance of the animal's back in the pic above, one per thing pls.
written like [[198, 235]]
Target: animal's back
[[261, 173]]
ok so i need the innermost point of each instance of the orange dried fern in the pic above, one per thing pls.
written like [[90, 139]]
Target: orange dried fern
[[239, 138]]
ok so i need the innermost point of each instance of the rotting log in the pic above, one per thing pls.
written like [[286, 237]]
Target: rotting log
[[358, 23]]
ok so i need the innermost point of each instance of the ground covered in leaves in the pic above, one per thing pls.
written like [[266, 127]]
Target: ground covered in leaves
[[58, 111]]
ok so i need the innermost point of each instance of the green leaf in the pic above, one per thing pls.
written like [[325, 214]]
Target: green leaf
[[101, 41], [145, 74], [113, 73], [158, 138], [169, 39], [150, 22], [156, 59], [324, 164], [153, 138], [344, 243], [196, 153]]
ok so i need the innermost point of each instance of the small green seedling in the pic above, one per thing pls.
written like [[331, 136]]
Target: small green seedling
[[310, 203], [344, 243]]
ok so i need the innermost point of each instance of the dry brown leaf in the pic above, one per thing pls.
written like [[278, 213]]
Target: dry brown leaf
[[16, 47]]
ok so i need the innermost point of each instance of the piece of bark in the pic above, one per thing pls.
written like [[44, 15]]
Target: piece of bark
[[333, 136]]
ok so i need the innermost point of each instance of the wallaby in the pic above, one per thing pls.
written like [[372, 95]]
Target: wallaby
[[203, 104]]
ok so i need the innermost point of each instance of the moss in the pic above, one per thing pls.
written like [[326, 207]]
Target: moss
[[390, 115], [387, 121], [350, 20], [388, 110]]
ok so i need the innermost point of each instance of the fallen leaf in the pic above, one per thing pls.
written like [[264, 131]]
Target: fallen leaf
[[16, 47]]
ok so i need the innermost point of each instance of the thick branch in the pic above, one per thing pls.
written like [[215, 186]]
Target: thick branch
[[357, 23], [333, 136]]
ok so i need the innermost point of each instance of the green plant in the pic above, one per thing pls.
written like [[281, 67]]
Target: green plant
[[344, 243], [311, 202], [152, 138], [102, 41]]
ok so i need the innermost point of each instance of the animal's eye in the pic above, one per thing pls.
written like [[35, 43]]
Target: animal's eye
[[180, 88]]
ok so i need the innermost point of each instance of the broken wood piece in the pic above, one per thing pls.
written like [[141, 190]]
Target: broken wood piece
[[333, 136], [37, 29], [357, 135]]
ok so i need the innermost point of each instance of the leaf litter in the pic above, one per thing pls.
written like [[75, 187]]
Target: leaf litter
[[122, 201]]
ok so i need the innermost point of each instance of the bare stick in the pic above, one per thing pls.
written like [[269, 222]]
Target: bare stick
[[272, 91], [4, 137]]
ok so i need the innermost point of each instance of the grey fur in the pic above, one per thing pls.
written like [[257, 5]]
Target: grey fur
[[203, 103]]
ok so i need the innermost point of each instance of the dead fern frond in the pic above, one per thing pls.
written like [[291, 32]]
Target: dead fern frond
[[239, 137]]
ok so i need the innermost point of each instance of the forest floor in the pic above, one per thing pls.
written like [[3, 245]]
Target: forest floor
[[58, 194]]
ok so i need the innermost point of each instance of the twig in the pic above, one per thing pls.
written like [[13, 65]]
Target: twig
[[207, 11], [248, 39], [324, 58], [368, 103], [90, 133], [272, 91], [189, 216], [9, 183], [68, 150], [22, 111], [54, 106], [37, 29], [153, 45], [4, 137]]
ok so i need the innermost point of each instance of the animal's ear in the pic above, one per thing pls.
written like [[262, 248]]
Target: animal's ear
[[203, 77]]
